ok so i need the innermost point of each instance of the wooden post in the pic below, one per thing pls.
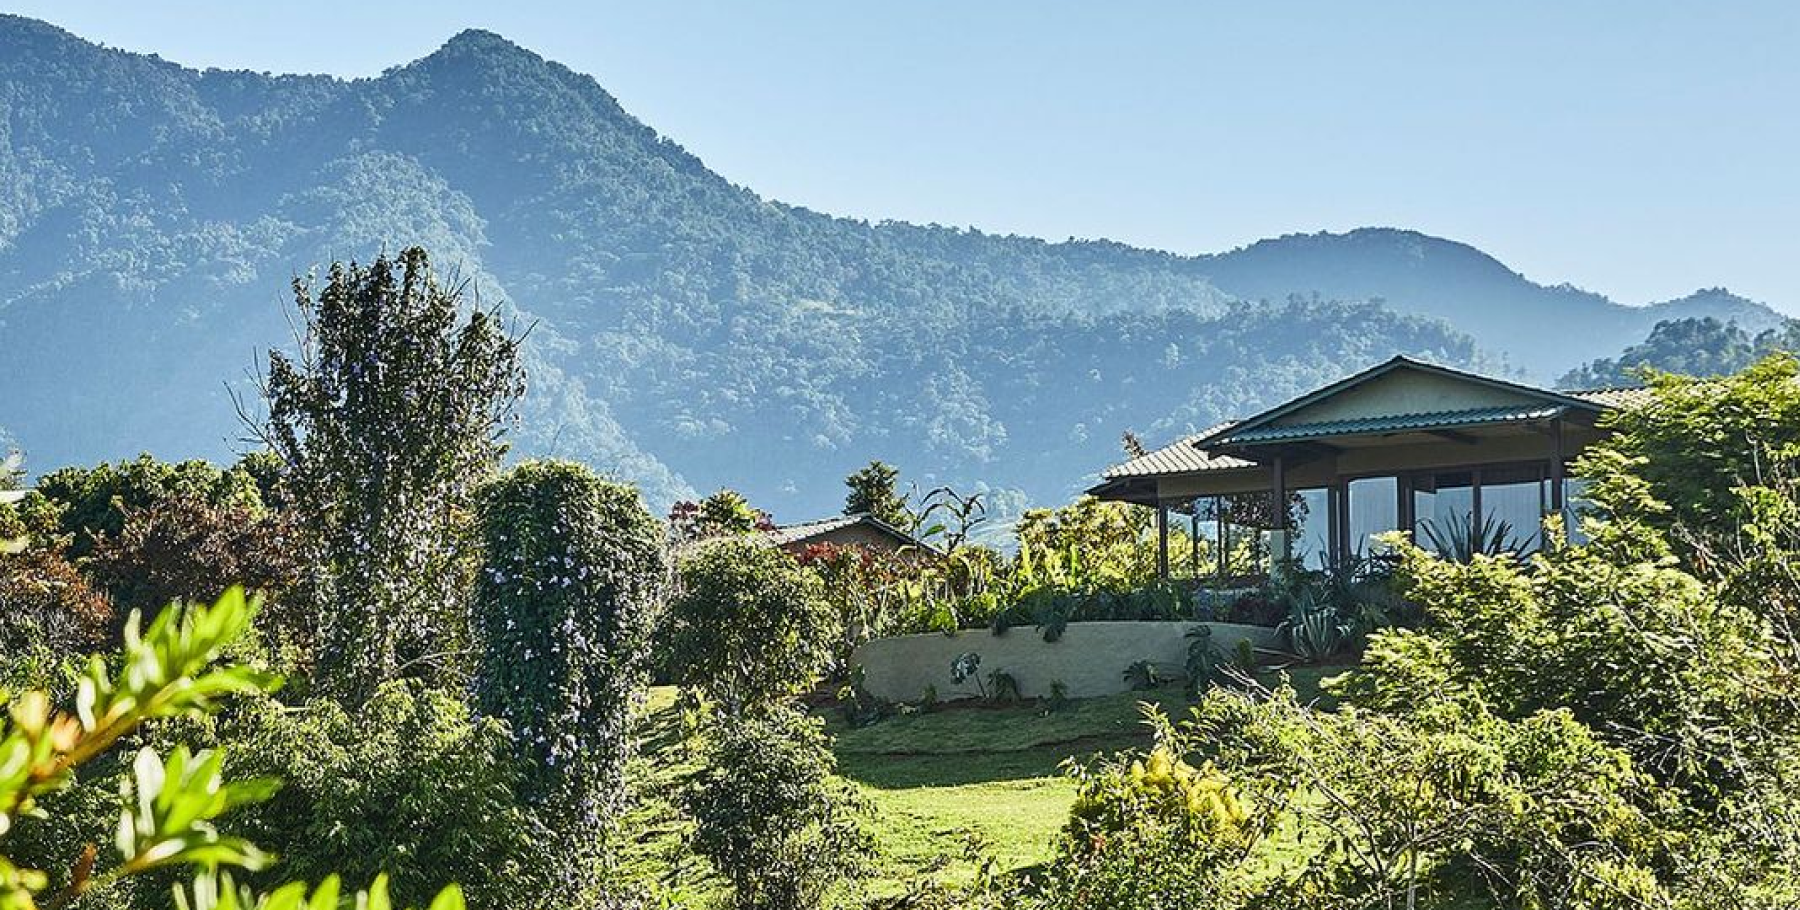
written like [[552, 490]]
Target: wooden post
[[1220, 536], [1162, 539], [1337, 526], [1556, 466], [1476, 515], [1278, 487], [1194, 538]]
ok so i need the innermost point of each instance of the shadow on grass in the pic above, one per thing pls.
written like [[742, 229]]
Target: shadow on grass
[[903, 772]]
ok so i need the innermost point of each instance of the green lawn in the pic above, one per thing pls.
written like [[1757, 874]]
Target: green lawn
[[938, 781]]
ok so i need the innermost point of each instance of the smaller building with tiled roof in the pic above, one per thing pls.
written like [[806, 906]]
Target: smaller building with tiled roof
[[860, 530]]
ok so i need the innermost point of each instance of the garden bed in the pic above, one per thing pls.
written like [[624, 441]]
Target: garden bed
[[1087, 659]]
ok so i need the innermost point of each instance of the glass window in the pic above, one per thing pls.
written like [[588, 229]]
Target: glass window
[[1444, 512], [1312, 528], [1374, 510], [1513, 503]]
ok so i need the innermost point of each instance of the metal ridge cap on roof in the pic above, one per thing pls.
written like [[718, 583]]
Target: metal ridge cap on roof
[[1389, 423]]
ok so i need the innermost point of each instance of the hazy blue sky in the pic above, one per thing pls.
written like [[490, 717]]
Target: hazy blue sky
[[1640, 149]]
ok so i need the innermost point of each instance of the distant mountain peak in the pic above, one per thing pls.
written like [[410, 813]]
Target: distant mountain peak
[[484, 40], [483, 45]]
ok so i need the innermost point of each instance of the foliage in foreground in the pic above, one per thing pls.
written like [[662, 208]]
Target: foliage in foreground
[[170, 803], [409, 783]]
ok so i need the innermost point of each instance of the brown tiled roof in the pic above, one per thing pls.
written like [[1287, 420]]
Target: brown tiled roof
[[819, 527], [1618, 397]]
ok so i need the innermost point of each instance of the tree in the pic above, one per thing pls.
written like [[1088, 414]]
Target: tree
[[1700, 347], [874, 491], [48, 606], [1679, 461], [773, 818], [725, 513], [12, 473], [90, 504], [572, 575], [386, 418], [748, 626]]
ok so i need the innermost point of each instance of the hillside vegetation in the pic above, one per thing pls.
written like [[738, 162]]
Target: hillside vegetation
[[683, 326]]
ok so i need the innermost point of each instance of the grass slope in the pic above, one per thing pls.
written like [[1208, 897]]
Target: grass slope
[[948, 787]]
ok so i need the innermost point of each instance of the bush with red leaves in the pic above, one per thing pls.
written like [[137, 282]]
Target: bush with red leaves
[[45, 602], [186, 548]]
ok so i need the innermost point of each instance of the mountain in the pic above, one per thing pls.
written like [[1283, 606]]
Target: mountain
[[687, 333], [1697, 346], [1543, 330]]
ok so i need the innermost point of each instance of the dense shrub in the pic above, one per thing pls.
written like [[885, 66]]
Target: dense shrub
[[92, 503], [1526, 640], [409, 784], [772, 817], [749, 625], [1677, 462], [563, 609], [386, 418], [48, 608], [184, 546], [1447, 807], [1197, 807]]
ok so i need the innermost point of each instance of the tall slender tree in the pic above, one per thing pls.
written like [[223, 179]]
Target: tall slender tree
[[391, 410]]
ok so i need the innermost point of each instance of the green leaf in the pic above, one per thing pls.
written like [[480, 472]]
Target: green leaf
[[450, 898]]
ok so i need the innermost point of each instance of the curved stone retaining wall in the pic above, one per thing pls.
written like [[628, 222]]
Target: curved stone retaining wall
[[1089, 659]]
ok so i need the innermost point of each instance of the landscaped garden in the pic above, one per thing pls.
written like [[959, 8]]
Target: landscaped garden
[[513, 685]]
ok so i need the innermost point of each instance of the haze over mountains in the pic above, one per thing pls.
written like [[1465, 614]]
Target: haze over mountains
[[689, 334]]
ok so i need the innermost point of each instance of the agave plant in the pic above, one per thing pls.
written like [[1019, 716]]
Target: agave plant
[[1314, 629], [1203, 659], [1465, 538]]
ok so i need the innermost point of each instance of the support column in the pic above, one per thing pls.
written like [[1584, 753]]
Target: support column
[[1337, 528], [1283, 551], [1556, 466], [1194, 538], [1219, 536], [1162, 539]]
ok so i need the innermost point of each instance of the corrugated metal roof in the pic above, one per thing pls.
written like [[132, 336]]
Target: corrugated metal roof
[[1179, 457], [1389, 424], [1185, 457], [787, 534], [1401, 362]]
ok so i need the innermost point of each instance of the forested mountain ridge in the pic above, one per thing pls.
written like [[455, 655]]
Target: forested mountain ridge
[[687, 333], [1543, 330]]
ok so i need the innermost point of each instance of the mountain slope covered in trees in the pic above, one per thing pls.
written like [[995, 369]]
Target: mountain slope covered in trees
[[1543, 330], [686, 333]]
